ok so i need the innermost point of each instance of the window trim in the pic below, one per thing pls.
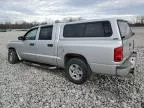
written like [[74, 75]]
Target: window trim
[[46, 27], [85, 29]]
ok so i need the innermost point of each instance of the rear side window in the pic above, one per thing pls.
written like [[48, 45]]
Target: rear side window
[[125, 29], [46, 33], [74, 30], [92, 29]]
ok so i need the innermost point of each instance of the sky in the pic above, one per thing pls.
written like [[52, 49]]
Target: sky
[[45, 10]]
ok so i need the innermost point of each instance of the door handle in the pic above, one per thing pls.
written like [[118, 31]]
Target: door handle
[[31, 44], [50, 45]]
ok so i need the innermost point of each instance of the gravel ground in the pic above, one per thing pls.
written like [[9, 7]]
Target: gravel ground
[[23, 86]]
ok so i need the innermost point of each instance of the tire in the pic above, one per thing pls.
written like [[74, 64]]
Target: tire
[[77, 71], [12, 56]]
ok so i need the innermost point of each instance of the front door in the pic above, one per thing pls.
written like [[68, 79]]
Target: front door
[[46, 52], [29, 47]]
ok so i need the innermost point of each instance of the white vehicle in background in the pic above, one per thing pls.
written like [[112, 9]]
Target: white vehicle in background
[[103, 46]]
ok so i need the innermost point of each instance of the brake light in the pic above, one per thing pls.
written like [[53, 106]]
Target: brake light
[[118, 54]]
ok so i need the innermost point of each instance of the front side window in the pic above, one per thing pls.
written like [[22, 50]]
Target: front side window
[[92, 29], [125, 29], [46, 33], [31, 35]]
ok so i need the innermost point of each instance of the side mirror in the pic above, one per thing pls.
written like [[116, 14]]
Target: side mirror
[[123, 37], [21, 38]]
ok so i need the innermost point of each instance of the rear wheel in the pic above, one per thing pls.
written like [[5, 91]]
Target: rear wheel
[[77, 71], [12, 56]]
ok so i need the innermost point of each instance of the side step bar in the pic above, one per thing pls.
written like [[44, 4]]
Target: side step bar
[[45, 66]]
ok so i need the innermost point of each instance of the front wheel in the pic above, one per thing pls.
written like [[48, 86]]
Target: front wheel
[[12, 56], [77, 71]]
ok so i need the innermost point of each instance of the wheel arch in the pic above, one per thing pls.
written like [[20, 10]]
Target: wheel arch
[[11, 48], [16, 52], [69, 56]]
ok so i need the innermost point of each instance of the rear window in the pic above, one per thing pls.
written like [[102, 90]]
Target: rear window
[[92, 29], [125, 29]]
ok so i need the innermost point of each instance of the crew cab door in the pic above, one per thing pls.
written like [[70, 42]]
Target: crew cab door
[[28, 46], [127, 38], [46, 51]]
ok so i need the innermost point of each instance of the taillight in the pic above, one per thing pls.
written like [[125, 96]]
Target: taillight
[[118, 54]]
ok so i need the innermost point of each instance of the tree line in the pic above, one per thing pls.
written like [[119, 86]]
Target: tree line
[[26, 25], [139, 21]]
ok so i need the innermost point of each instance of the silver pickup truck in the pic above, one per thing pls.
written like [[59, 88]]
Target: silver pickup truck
[[103, 46]]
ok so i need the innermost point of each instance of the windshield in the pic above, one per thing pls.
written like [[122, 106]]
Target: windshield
[[125, 29]]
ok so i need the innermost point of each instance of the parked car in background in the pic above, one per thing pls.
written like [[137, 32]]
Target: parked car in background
[[102, 46]]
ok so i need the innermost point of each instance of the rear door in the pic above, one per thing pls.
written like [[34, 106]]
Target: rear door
[[46, 47], [126, 36]]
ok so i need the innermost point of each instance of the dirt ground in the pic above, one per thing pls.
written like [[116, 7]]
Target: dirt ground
[[139, 36], [23, 86]]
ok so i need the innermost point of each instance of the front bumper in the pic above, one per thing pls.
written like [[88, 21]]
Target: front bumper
[[128, 66]]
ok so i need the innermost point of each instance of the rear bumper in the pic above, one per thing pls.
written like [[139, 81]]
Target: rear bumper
[[127, 67]]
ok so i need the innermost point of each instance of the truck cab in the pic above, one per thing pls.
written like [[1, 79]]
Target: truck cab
[[38, 45]]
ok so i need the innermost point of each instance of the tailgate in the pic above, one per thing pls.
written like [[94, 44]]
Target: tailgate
[[127, 38], [127, 47]]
